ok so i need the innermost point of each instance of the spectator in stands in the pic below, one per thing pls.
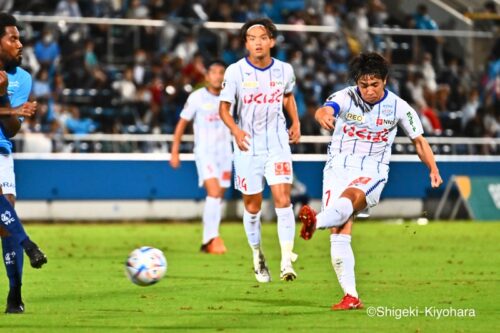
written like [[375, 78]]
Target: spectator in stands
[[470, 108], [331, 17], [187, 48], [30, 62], [47, 49], [141, 69], [195, 70], [74, 124], [423, 21], [70, 8], [41, 86], [97, 78], [359, 25]]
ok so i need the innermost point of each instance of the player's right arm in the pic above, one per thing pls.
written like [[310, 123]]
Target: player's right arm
[[324, 117], [9, 117], [328, 113], [175, 161], [228, 98], [240, 136]]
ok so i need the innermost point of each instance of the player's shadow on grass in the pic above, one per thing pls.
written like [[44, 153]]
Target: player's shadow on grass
[[276, 302], [204, 278]]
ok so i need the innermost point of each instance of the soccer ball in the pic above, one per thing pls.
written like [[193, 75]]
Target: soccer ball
[[145, 266]]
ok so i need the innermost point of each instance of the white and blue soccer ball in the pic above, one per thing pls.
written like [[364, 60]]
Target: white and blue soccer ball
[[146, 266]]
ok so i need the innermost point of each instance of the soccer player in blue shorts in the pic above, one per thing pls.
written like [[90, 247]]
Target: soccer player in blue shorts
[[15, 87]]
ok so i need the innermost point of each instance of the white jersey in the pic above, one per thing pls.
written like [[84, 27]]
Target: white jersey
[[366, 131], [257, 94], [211, 136]]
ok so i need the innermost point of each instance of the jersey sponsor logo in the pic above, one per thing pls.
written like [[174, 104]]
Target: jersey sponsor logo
[[365, 134], [250, 84], [212, 117], [13, 84], [262, 98], [355, 117], [411, 121], [282, 169], [7, 185], [241, 183], [208, 106], [276, 84], [226, 175], [360, 181], [382, 121]]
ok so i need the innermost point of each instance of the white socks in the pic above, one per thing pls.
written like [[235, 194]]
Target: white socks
[[343, 262], [211, 218], [336, 215], [251, 222], [286, 234]]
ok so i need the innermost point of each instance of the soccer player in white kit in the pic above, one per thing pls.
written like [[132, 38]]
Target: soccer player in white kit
[[213, 152], [364, 120], [259, 86]]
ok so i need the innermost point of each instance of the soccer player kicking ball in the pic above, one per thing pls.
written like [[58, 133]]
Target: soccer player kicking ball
[[260, 86], [15, 87], [212, 150], [364, 120]]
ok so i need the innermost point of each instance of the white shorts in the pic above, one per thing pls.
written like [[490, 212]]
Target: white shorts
[[7, 176], [337, 177], [250, 171], [214, 167]]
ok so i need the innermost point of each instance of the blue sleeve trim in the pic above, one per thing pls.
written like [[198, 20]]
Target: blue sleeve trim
[[335, 106]]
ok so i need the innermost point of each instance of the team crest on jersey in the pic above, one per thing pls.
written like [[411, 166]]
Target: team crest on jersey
[[355, 117], [387, 110], [250, 84]]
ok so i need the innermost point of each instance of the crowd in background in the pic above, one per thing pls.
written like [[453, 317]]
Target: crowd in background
[[125, 79]]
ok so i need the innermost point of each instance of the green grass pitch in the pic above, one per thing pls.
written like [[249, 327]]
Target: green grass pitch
[[83, 288]]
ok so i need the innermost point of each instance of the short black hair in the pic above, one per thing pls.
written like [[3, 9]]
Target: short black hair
[[6, 20], [215, 62], [271, 29], [371, 64]]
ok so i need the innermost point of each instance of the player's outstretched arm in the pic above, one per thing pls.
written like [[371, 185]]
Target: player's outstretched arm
[[426, 155], [240, 136], [291, 108], [175, 161], [324, 117]]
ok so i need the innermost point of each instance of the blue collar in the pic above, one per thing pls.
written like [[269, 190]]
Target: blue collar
[[258, 68]]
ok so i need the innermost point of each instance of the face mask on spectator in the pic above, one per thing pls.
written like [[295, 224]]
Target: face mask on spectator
[[48, 38]]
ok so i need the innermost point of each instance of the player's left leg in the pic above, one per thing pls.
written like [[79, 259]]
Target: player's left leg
[[286, 229], [14, 228], [211, 242], [343, 262]]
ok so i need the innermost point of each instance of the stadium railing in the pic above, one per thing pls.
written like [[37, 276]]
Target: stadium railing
[[147, 143]]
